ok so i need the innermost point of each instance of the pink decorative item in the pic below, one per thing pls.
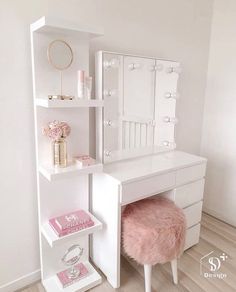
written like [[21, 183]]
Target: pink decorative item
[[81, 83], [64, 275], [72, 219], [56, 130], [153, 231], [59, 224], [84, 160]]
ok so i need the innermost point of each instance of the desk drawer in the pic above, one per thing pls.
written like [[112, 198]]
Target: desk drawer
[[190, 174], [192, 236], [193, 214], [142, 188], [189, 194]]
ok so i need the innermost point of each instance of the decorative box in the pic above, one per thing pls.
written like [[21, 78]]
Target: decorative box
[[84, 160]]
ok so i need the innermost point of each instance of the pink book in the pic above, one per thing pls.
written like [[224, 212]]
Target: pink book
[[72, 219], [64, 275], [69, 230]]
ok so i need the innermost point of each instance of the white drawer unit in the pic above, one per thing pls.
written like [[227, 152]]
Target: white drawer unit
[[193, 214], [189, 174], [192, 236], [189, 194], [140, 189], [176, 175]]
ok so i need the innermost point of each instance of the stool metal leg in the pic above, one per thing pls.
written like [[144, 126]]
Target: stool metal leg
[[174, 271], [148, 278]]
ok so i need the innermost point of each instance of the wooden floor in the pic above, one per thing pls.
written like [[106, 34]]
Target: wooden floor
[[215, 236]]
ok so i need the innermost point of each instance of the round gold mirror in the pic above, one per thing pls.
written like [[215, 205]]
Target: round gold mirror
[[60, 54]]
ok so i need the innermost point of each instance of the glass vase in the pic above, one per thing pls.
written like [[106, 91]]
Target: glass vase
[[59, 149]]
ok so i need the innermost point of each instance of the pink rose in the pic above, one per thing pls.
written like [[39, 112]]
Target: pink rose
[[55, 133], [53, 124], [56, 130]]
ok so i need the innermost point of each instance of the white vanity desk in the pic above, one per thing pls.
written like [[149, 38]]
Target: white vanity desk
[[174, 174], [136, 142]]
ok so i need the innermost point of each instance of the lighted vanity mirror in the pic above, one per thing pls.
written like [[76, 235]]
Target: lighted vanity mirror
[[60, 56], [139, 105]]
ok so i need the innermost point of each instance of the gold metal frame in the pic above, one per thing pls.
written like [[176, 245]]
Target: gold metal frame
[[50, 57]]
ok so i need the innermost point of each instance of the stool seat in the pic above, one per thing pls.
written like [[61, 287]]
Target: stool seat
[[153, 231]]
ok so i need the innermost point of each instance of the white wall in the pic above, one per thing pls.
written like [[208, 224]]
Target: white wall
[[175, 29], [219, 126]]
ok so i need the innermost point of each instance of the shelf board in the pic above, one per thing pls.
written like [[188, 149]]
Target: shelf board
[[54, 240], [91, 280], [43, 102], [53, 173], [53, 25]]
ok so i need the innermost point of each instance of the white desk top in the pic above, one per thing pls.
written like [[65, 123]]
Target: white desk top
[[133, 169]]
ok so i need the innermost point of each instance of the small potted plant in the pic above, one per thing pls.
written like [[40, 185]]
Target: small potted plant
[[58, 131]]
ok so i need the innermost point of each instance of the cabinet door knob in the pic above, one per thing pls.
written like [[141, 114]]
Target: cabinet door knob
[[174, 95], [171, 120], [176, 70]]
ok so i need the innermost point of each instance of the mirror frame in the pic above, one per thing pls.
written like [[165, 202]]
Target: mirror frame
[[50, 57]]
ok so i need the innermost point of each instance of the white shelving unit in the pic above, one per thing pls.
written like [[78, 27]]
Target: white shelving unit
[[53, 239], [52, 173], [93, 279], [62, 190], [68, 103]]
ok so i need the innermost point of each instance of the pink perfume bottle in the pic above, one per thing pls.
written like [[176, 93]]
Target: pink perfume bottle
[[81, 84]]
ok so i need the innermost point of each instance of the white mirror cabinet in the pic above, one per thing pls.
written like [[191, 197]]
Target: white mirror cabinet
[[136, 142], [139, 96]]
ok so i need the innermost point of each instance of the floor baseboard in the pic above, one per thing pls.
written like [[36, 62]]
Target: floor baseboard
[[21, 282], [219, 216]]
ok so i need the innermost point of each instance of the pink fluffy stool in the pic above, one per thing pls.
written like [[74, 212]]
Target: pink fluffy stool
[[154, 232]]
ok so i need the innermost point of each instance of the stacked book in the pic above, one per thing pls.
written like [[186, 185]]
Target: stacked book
[[65, 278], [71, 222]]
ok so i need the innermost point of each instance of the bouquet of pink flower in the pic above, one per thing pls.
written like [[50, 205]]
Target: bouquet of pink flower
[[56, 130]]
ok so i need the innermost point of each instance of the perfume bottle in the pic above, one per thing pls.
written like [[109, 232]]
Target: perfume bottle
[[88, 86], [81, 83]]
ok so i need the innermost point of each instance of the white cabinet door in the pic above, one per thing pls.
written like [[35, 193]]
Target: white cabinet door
[[166, 93], [136, 106], [138, 102], [112, 92]]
